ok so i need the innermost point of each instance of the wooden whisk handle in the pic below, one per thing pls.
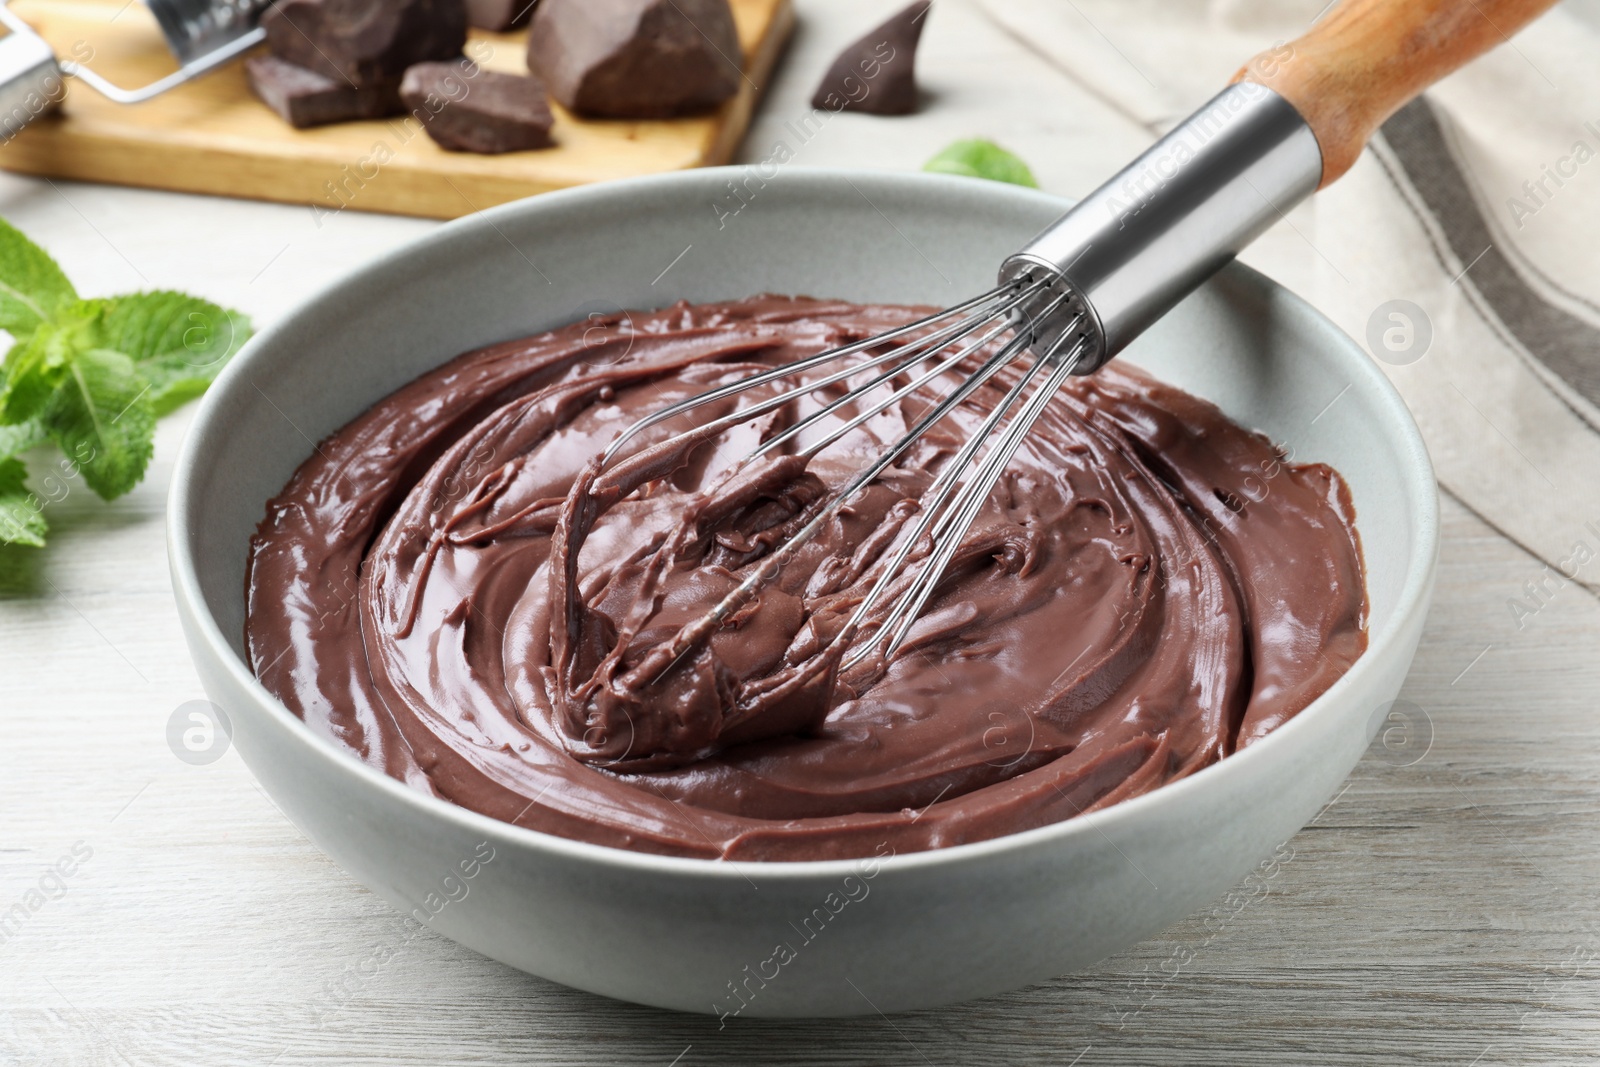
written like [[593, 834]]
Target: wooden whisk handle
[[1366, 59]]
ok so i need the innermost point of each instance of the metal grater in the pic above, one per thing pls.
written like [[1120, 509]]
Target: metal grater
[[203, 35]]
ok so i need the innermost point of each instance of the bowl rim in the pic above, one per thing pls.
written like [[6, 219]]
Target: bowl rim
[[1414, 465]]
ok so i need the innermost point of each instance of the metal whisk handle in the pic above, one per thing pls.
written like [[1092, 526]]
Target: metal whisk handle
[[1133, 248]]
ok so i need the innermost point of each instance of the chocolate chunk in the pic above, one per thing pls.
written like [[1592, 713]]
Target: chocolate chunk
[[305, 98], [365, 42], [877, 74], [467, 109], [636, 59], [499, 15]]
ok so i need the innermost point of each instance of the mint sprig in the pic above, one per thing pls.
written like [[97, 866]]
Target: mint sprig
[[92, 376]]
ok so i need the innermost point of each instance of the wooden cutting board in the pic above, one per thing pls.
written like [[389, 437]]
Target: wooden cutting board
[[214, 136]]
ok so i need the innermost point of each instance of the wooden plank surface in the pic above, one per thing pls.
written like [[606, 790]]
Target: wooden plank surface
[[1440, 913], [213, 136]]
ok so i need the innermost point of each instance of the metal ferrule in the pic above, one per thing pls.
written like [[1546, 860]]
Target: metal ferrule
[[1129, 251]]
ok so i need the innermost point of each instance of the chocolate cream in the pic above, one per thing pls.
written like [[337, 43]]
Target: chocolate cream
[[452, 589]]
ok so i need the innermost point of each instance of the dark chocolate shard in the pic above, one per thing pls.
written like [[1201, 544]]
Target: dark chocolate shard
[[365, 42], [636, 59], [467, 109], [877, 74], [499, 15], [306, 98]]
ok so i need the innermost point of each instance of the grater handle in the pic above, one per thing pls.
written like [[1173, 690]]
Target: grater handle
[[1294, 120], [30, 78]]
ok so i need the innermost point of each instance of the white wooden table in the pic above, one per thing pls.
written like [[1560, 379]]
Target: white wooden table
[[1441, 911]]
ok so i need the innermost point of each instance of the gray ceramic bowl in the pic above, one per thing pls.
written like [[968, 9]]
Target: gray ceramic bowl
[[916, 930]]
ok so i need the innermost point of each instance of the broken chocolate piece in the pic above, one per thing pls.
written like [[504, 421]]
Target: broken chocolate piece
[[499, 15], [877, 74], [636, 59], [305, 98], [467, 109], [365, 42]]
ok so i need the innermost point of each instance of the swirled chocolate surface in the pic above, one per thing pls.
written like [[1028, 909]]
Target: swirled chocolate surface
[[450, 589]]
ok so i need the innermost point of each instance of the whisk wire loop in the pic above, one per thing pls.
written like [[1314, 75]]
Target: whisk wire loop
[[885, 403], [1007, 296], [692, 634], [934, 511], [944, 340], [948, 525]]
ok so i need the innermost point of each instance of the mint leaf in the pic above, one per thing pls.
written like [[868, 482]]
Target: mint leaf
[[977, 158], [178, 342], [35, 367], [15, 440], [32, 287], [102, 419], [21, 520]]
